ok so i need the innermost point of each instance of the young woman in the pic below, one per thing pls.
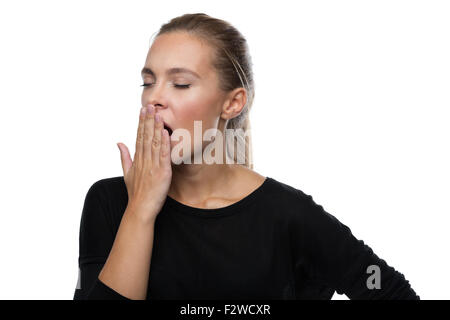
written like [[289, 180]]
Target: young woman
[[194, 230]]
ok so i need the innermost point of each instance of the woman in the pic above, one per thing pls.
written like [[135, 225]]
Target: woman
[[194, 230]]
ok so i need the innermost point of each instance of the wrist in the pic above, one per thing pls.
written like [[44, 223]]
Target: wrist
[[143, 214]]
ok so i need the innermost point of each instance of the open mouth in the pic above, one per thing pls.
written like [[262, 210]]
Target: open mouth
[[168, 129]]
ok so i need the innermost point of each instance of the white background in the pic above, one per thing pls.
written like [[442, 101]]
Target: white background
[[352, 106]]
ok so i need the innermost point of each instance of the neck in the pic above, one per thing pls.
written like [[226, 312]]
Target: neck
[[196, 182]]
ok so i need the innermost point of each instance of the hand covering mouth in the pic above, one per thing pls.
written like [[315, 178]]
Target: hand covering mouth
[[169, 129]]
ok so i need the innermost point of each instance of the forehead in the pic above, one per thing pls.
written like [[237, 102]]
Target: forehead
[[180, 49]]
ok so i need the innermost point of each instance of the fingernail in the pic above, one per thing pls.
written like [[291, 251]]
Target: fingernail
[[150, 109], [143, 110], [158, 118]]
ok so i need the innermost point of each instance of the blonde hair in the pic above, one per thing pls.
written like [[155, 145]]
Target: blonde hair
[[233, 63]]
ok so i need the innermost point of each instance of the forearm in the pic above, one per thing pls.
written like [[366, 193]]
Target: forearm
[[128, 265]]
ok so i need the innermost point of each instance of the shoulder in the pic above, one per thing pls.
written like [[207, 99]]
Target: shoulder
[[287, 193], [111, 196], [110, 183], [275, 189], [109, 187], [294, 204]]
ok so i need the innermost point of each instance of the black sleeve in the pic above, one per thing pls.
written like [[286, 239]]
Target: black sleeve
[[95, 242], [332, 255]]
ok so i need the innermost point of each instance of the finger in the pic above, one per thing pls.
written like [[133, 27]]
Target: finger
[[140, 137], [164, 160], [156, 144], [148, 134], [125, 158]]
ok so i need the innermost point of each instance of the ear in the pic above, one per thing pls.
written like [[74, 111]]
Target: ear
[[234, 103]]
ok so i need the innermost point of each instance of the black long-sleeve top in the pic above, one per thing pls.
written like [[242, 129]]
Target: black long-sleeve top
[[276, 243]]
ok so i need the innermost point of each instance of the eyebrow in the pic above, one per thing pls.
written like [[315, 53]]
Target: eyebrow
[[170, 71]]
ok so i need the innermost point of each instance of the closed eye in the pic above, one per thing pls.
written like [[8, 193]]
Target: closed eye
[[180, 86]]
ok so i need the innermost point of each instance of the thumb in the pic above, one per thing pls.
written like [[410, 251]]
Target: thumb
[[124, 157]]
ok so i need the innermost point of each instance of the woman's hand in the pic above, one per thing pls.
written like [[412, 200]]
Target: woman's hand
[[148, 177]]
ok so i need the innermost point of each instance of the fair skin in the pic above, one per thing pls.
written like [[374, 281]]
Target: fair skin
[[197, 185], [151, 176]]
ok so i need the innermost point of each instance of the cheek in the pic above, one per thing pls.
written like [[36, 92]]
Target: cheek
[[188, 111], [191, 110]]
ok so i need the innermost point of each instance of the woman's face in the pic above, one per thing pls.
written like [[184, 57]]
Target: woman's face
[[180, 96]]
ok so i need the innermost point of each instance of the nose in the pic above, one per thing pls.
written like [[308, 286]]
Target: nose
[[158, 107], [157, 97]]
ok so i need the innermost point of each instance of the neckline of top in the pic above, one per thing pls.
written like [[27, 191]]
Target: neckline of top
[[216, 212]]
